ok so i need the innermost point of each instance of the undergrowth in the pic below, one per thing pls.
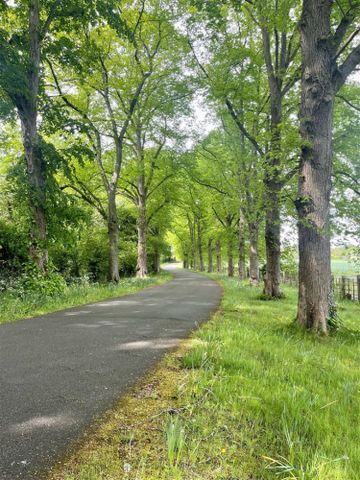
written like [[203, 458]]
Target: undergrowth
[[17, 304]]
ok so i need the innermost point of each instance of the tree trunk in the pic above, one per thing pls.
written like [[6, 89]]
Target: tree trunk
[[272, 242], [272, 189], [218, 256], [230, 255], [193, 243], [210, 255], [199, 242], [141, 267], [313, 202], [113, 235], [37, 197], [157, 255], [241, 260], [254, 255], [186, 260], [157, 259], [272, 181], [27, 106]]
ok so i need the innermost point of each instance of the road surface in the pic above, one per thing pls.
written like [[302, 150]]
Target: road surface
[[60, 371]]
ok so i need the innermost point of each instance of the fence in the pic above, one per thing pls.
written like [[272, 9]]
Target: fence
[[347, 287], [344, 287]]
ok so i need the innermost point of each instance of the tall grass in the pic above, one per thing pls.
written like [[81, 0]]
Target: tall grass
[[15, 307], [175, 440], [284, 404]]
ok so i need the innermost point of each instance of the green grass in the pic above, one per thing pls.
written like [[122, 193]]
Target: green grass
[[16, 308], [254, 398], [282, 403]]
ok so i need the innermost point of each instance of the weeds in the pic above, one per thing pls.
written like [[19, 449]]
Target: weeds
[[16, 305], [175, 440]]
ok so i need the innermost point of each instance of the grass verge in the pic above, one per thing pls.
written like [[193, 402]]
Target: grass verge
[[30, 305], [252, 398]]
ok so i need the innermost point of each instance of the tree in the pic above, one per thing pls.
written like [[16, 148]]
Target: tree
[[280, 47], [259, 104], [144, 182], [24, 40], [153, 163], [117, 60], [345, 198], [329, 56]]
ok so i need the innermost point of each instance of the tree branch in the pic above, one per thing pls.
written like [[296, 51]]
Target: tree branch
[[202, 68], [242, 127], [348, 66], [49, 19], [348, 102], [159, 184], [88, 197]]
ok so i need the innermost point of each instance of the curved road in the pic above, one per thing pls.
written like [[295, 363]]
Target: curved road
[[59, 371]]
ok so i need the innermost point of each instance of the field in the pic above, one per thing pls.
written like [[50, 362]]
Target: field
[[344, 267]]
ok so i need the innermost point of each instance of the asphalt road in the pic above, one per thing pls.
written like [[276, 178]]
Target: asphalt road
[[59, 371]]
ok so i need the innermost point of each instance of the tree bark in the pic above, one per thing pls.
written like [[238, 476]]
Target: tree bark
[[199, 242], [230, 255], [157, 259], [218, 256], [254, 255], [272, 178], [241, 260], [141, 267], [273, 222], [193, 243], [313, 202], [37, 195], [113, 235], [157, 255], [210, 255], [321, 79], [27, 106], [186, 260], [272, 242]]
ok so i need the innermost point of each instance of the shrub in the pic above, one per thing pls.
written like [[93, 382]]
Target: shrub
[[33, 281], [289, 262]]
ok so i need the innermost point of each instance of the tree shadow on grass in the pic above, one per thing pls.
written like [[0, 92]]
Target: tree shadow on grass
[[295, 332]]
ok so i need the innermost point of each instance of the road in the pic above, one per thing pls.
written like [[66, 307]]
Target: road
[[60, 371]]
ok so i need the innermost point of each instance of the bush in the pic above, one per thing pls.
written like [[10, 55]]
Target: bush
[[288, 260], [33, 281], [93, 255], [127, 259], [13, 248]]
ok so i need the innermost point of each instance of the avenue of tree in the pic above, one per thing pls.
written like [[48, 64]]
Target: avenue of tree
[[104, 163]]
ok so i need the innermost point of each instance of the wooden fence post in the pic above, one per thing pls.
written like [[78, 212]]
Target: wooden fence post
[[358, 287]]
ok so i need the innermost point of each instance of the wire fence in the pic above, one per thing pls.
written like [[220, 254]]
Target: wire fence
[[344, 287]]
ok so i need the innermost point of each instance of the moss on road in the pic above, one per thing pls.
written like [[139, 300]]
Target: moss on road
[[252, 398]]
